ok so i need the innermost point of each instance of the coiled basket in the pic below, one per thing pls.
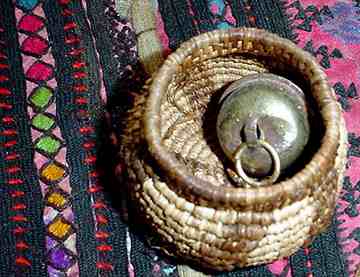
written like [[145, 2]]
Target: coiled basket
[[176, 169]]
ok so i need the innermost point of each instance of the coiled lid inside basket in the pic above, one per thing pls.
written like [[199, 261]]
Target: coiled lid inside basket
[[210, 61]]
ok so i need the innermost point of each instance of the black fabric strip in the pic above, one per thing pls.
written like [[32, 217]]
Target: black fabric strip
[[246, 272], [298, 264], [271, 15], [69, 125], [141, 261], [326, 256], [117, 85], [113, 197], [101, 32], [202, 15], [239, 12], [177, 20], [35, 235]]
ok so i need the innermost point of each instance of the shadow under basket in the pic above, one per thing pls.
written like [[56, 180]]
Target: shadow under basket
[[176, 169]]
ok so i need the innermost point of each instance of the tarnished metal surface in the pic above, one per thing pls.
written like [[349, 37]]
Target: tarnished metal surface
[[266, 107]]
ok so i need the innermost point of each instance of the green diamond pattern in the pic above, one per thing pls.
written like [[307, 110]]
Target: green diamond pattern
[[42, 122], [49, 145], [41, 97]]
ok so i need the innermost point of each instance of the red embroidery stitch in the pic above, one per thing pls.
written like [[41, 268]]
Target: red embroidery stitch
[[104, 247], [19, 218], [250, 16], [252, 19], [94, 189], [78, 64], [4, 91], [17, 193], [94, 174], [15, 182], [88, 145], [22, 261], [80, 88], [5, 106], [80, 75], [69, 26], [10, 143], [66, 12], [72, 39], [13, 169], [10, 132], [76, 52], [99, 205], [18, 207], [101, 219], [90, 159], [86, 130], [3, 66], [8, 119], [64, 2], [12, 156], [19, 230], [104, 266], [4, 78], [101, 235], [21, 245], [81, 101]]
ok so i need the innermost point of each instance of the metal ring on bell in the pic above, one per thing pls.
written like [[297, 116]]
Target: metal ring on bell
[[252, 181]]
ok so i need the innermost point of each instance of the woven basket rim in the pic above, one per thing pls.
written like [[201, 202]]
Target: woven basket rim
[[178, 173]]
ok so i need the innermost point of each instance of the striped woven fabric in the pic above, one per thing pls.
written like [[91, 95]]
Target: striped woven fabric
[[68, 71]]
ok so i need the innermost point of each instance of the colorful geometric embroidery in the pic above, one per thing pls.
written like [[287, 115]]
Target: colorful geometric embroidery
[[222, 15], [60, 229], [39, 72], [347, 26], [31, 23], [309, 14], [63, 258], [348, 217], [27, 5], [43, 121], [57, 199], [123, 41], [345, 95], [350, 197], [48, 145], [332, 28], [35, 46], [323, 51], [354, 145], [52, 172], [49, 156]]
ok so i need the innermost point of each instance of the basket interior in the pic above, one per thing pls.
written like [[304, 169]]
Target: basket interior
[[189, 110]]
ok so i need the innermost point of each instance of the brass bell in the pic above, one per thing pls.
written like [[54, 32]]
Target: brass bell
[[262, 126]]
